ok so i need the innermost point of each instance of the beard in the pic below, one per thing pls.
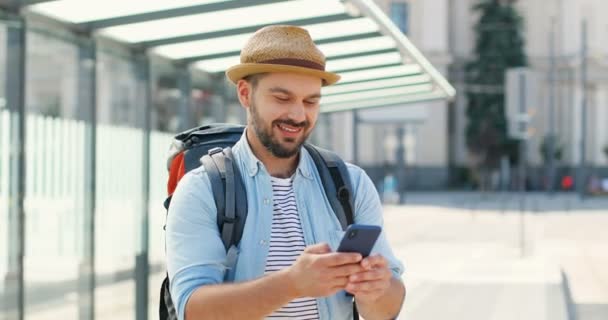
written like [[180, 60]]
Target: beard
[[270, 141]]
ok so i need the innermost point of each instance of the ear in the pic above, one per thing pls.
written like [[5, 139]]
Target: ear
[[243, 92]]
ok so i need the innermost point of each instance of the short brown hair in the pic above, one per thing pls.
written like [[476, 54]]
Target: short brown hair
[[254, 79]]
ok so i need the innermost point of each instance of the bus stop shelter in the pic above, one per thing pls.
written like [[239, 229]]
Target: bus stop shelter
[[379, 66]]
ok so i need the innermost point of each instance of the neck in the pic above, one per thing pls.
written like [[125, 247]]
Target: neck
[[276, 167]]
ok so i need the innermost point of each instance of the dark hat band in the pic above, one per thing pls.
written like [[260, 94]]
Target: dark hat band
[[295, 63]]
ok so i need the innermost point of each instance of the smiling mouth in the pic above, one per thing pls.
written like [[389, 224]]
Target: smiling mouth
[[289, 129]]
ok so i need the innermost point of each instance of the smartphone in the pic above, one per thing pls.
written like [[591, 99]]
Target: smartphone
[[359, 238]]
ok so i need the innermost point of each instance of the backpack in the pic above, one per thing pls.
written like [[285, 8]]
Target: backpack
[[210, 145]]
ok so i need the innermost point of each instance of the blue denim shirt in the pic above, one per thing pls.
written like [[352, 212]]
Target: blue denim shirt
[[196, 255]]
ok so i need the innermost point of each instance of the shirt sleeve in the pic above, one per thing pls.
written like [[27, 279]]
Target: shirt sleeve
[[195, 252], [368, 210]]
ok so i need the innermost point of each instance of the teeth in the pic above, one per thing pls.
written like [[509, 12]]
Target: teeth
[[287, 129]]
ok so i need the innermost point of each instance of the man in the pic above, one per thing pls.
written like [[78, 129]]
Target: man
[[286, 267]]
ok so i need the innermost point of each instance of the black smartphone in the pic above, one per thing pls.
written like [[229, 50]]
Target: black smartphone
[[359, 238]]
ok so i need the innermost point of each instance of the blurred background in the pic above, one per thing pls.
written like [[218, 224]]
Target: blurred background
[[481, 122]]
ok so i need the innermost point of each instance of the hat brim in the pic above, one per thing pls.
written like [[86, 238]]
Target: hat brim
[[243, 70]]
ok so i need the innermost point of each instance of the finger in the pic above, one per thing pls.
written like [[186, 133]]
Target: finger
[[376, 261], [340, 258], [340, 282], [346, 270], [319, 248], [366, 286], [378, 274]]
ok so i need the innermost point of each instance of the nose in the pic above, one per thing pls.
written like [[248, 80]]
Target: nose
[[297, 112]]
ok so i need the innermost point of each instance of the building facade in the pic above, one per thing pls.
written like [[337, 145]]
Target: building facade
[[435, 147]]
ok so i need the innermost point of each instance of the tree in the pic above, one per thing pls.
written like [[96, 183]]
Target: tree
[[499, 45], [606, 151]]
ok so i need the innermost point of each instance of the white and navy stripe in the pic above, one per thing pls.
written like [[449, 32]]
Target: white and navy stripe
[[286, 244]]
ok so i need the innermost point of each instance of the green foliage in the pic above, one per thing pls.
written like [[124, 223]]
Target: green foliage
[[499, 45], [606, 150]]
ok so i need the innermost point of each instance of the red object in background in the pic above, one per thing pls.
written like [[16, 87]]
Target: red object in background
[[567, 182]]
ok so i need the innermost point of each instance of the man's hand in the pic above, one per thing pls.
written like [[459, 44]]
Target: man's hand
[[373, 282], [320, 273]]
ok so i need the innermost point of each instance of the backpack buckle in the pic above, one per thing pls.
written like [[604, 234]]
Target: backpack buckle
[[229, 220], [215, 150]]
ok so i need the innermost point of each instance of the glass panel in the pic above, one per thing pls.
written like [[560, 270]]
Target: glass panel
[[52, 77], [356, 46], [119, 195], [203, 47], [380, 73], [378, 84], [365, 61], [377, 93], [54, 197], [383, 101], [224, 20], [78, 11], [165, 98], [343, 28], [235, 43], [217, 65], [221, 64], [208, 98], [159, 144], [117, 96]]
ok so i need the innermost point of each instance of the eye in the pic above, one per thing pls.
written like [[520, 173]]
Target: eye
[[282, 99], [311, 102]]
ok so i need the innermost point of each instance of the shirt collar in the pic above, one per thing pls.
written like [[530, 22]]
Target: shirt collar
[[253, 164]]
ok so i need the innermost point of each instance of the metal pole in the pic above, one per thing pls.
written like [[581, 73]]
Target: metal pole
[[583, 142], [142, 270], [355, 137], [552, 135], [401, 166], [523, 127], [88, 99], [15, 95]]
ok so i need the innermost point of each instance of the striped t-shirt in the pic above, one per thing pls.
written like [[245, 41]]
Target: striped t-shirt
[[286, 244]]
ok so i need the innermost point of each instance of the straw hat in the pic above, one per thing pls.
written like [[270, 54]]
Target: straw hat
[[281, 49]]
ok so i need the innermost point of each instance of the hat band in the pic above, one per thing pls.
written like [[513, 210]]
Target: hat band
[[296, 63]]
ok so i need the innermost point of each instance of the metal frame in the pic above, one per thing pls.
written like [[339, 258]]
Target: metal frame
[[142, 263], [404, 44], [15, 95], [88, 99], [174, 13]]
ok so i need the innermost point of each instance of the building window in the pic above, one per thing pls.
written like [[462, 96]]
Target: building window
[[400, 15]]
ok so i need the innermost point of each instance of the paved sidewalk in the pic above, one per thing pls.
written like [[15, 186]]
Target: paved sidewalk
[[464, 261]]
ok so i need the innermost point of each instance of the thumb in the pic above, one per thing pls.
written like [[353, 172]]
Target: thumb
[[318, 248]]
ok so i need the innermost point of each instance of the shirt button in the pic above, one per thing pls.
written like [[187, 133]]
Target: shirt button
[[262, 242], [266, 201]]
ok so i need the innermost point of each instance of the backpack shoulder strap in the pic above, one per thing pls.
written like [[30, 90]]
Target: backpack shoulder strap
[[338, 188], [336, 182], [228, 194]]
